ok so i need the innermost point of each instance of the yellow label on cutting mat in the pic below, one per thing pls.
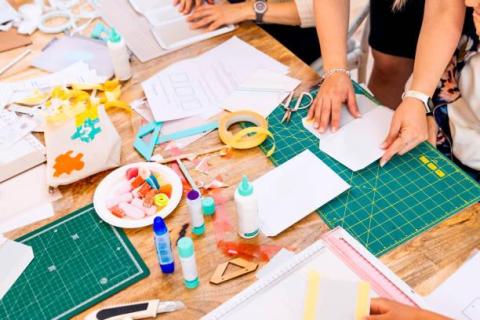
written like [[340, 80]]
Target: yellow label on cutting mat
[[246, 138]]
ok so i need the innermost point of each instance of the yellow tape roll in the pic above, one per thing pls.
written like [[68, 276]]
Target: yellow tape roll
[[246, 138]]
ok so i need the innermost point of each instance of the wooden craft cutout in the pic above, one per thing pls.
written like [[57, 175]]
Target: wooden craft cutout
[[219, 275]]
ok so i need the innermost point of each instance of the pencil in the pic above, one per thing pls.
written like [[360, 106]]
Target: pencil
[[15, 61]]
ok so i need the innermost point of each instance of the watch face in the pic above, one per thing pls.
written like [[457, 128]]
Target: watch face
[[260, 7], [430, 104]]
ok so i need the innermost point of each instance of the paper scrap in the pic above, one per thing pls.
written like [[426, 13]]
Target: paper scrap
[[459, 296], [262, 92], [293, 190], [199, 85], [328, 298], [25, 199]]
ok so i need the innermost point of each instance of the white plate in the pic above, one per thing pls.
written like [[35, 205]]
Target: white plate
[[105, 188]]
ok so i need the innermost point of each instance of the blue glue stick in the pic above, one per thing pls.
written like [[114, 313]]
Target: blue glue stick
[[162, 243]]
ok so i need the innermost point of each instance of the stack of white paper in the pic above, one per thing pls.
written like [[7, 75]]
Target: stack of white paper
[[201, 85], [293, 190]]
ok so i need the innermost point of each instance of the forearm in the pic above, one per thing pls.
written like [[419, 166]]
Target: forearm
[[278, 13], [427, 315], [332, 25], [439, 37]]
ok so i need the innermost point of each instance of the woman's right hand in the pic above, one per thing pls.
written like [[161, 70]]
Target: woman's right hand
[[336, 90]]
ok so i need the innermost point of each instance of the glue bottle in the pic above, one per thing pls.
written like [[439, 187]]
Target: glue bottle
[[162, 243], [247, 209], [187, 260], [120, 57]]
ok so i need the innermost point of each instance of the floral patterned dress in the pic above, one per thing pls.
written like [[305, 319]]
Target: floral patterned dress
[[448, 91]]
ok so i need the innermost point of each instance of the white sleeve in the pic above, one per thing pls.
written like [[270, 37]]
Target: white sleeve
[[306, 13]]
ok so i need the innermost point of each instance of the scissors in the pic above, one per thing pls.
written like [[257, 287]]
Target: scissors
[[304, 101]]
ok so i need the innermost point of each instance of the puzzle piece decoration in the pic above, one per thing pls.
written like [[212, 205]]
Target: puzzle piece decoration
[[65, 163], [87, 131]]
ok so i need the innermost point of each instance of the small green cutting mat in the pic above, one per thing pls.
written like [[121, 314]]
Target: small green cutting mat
[[79, 261], [384, 206]]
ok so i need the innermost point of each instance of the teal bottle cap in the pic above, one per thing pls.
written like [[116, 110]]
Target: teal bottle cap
[[245, 188], [185, 247], [192, 284], [199, 230], [208, 206], [114, 36]]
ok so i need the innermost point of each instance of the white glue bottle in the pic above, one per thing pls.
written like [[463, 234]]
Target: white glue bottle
[[187, 260], [120, 57], [247, 209]]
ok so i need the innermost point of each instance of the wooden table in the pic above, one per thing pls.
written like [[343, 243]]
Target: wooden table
[[423, 262]]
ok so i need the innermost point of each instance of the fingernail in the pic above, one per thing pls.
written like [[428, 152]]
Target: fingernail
[[315, 125], [382, 163], [383, 145], [321, 130], [334, 129]]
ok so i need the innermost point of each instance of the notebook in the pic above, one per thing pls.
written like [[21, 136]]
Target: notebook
[[22, 155]]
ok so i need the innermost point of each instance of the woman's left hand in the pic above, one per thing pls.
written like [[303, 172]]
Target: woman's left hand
[[408, 129], [215, 16]]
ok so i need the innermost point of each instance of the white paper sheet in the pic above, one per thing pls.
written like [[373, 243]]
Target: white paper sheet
[[283, 256], [293, 190], [459, 296], [199, 85], [357, 144], [25, 199], [262, 92], [364, 104], [78, 72]]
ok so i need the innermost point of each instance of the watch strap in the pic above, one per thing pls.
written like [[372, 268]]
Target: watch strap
[[424, 98]]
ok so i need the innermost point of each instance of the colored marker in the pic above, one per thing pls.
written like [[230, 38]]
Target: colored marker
[[162, 243], [194, 202]]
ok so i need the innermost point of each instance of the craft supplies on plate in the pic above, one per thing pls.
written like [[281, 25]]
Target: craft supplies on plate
[[194, 202], [163, 245], [119, 55], [247, 209], [131, 196], [187, 260]]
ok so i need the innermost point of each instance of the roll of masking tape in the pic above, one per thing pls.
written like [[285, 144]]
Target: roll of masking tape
[[246, 138]]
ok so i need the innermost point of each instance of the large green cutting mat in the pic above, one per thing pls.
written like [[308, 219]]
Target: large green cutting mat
[[385, 206], [79, 261]]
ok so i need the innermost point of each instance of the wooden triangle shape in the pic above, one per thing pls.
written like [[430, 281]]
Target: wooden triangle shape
[[219, 275]]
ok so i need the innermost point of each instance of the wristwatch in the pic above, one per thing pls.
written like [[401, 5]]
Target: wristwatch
[[260, 7], [425, 99]]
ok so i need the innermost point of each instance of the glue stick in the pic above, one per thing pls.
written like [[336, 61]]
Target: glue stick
[[194, 202], [120, 57], [247, 209], [187, 260], [162, 243]]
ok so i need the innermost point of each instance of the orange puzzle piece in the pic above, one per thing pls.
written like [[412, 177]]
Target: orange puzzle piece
[[65, 163]]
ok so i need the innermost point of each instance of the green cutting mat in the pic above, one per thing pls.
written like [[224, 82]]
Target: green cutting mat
[[385, 206], [79, 261]]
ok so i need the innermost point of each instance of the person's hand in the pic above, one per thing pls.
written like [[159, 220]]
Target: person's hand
[[186, 6], [383, 309], [334, 91], [408, 129], [215, 16]]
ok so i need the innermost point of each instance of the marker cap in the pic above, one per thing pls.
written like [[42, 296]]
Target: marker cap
[[185, 247], [208, 206], [114, 36], [159, 226]]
